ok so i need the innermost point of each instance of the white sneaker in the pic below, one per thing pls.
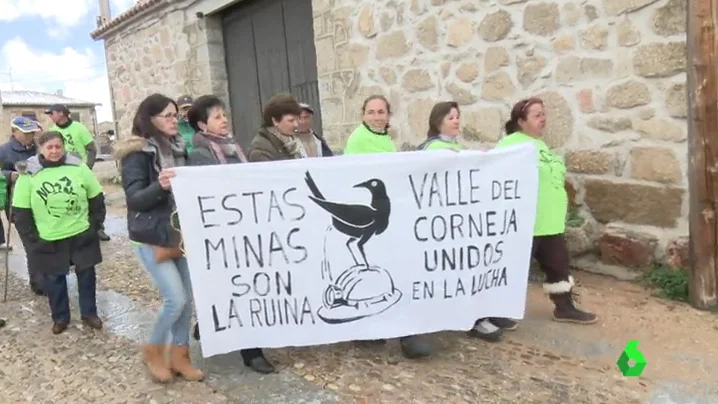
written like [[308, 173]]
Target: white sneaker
[[483, 329]]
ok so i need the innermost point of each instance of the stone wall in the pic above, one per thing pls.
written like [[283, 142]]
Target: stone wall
[[10, 111], [168, 51], [612, 74]]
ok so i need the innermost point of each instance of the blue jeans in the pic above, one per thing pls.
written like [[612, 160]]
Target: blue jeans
[[172, 279], [56, 288]]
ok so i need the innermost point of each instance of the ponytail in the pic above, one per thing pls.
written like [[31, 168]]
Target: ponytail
[[519, 112], [511, 126]]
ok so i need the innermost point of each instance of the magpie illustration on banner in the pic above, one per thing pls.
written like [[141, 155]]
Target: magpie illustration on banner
[[359, 222]]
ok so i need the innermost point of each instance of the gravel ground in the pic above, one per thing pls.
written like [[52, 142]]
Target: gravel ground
[[541, 362]]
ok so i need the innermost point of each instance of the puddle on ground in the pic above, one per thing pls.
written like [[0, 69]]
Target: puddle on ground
[[116, 226]]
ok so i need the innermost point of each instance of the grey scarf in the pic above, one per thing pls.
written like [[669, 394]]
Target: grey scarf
[[291, 144], [220, 146], [170, 152]]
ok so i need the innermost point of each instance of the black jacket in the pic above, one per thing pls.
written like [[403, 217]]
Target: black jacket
[[12, 152], [149, 207]]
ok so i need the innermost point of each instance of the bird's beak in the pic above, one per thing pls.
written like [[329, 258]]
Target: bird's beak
[[361, 185]]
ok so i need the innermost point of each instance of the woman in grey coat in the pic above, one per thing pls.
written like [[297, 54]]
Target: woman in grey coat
[[212, 145]]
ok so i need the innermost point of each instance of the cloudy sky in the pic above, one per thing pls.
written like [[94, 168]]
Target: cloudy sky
[[45, 46]]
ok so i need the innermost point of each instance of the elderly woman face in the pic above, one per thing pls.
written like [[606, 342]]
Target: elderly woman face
[[53, 149], [287, 125]]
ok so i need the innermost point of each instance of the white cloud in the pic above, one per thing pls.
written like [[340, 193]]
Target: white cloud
[[79, 74], [64, 13], [58, 15]]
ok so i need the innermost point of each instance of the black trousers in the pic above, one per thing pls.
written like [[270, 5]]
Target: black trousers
[[551, 252]]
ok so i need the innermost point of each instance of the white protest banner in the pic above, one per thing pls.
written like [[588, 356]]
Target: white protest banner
[[317, 251]]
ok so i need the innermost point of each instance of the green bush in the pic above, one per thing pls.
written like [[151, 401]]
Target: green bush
[[668, 283]]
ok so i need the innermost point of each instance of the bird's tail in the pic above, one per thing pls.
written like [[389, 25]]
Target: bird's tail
[[313, 186]]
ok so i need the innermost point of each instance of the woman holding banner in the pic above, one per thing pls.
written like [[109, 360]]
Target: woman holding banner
[[528, 120], [444, 130], [276, 138], [212, 145], [147, 161], [372, 136]]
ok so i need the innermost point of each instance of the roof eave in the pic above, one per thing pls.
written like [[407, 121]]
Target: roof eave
[[125, 18]]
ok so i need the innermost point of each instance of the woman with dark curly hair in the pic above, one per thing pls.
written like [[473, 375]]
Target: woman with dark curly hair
[[276, 138]]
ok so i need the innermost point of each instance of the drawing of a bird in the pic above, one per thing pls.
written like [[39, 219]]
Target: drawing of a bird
[[359, 222]]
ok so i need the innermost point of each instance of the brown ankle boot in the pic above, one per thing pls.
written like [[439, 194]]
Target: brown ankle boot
[[154, 357], [181, 364], [567, 312]]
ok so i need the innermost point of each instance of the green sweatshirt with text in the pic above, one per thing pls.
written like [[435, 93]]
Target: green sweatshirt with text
[[552, 197], [57, 196]]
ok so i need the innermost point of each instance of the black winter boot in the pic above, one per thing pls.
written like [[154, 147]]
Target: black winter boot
[[2, 323], [562, 295], [254, 359], [567, 312]]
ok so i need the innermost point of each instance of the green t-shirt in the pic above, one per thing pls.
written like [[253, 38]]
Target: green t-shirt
[[77, 137], [364, 141], [439, 144], [57, 196], [552, 197], [185, 130]]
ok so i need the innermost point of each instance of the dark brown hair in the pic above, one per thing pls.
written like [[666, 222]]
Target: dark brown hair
[[519, 112], [437, 115], [200, 109], [48, 136], [279, 106], [376, 97], [151, 106]]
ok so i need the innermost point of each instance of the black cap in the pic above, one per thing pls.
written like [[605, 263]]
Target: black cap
[[306, 107], [184, 101], [57, 108]]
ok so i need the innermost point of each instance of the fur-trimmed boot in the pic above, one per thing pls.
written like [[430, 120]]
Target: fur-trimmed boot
[[562, 295], [181, 365]]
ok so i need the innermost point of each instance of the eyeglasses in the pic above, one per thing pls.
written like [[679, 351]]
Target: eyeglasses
[[168, 116]]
